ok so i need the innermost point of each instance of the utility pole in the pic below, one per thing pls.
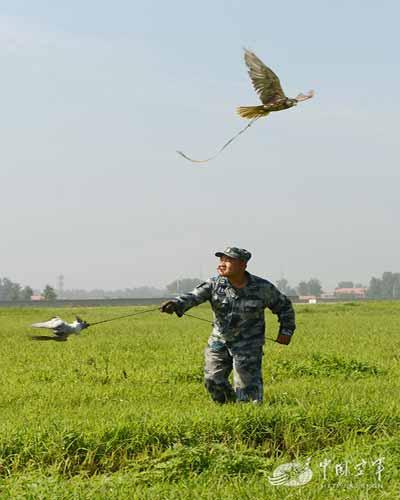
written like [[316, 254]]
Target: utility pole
[[60, 284]]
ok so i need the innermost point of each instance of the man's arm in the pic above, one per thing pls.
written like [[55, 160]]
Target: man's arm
[[184, 302], [280, 305]]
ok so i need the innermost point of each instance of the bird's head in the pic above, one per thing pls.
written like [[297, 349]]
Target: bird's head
[[80, 324]]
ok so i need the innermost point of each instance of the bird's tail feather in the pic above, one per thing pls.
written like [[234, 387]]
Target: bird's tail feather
[[250, 112]]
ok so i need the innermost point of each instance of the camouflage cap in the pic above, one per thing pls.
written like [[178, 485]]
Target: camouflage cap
[[235, 253]]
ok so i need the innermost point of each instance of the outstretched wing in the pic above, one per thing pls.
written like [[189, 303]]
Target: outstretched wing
[[265, 81], [51, 323]]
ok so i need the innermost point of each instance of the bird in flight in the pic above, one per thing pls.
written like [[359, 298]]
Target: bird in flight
[[268, 87], [61, 329]]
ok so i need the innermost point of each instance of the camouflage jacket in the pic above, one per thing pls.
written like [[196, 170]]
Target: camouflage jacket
[[239, 313]]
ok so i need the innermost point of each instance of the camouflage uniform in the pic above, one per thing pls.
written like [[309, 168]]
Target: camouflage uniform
[[238, 335]]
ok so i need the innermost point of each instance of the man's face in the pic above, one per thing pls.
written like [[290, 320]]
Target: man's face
[[228, 266]]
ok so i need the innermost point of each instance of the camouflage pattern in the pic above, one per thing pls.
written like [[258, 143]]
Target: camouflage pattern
[[238, 333], [235, 253], [245, 360]]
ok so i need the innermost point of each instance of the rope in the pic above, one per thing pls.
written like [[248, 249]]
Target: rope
[[223, 147], [201, 319], [125, 316], [152, 310]]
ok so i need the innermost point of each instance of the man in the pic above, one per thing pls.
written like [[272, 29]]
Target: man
[[238, 300]]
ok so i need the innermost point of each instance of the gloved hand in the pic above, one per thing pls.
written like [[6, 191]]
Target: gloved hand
[[168, 307], [284, 338]]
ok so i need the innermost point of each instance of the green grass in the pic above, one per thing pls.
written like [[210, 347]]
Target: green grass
[[120, 411]]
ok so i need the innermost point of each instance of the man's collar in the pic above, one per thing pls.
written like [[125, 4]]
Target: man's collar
[[250, 280], [223, 280]]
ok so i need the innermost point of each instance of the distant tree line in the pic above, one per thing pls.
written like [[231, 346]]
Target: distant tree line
[[183, 285], [386, 287], [126, 293], [49, 293], [10, 290], [14, 291], [311, 287], [175, 287]]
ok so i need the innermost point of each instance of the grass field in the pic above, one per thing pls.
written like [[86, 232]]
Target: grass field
[[120, 411]]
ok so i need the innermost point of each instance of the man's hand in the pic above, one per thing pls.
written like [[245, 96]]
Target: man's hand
[[168, 307], [284, 338]]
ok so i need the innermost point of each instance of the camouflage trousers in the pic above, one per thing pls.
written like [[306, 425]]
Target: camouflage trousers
[[245, 361]]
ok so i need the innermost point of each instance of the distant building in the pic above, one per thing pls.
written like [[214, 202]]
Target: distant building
[[311, 299], [358, 293], [37, 297]]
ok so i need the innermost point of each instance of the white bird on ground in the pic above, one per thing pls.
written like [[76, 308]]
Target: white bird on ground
[[61, 329]]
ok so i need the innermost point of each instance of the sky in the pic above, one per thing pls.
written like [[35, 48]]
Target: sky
[[97, 96]]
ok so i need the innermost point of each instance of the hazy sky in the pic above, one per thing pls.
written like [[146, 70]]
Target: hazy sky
[[96, 96]]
